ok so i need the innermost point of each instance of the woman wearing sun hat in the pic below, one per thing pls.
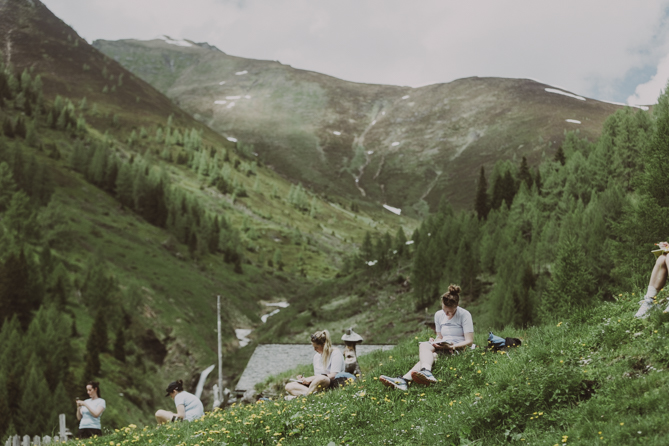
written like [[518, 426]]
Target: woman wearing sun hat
[[189, 407]]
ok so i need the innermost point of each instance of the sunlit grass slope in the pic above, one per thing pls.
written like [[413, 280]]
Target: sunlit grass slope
[[596, 378]]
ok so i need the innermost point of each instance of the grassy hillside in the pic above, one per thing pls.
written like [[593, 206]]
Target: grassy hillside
[[73, 121], [596, 378], [406, 147]]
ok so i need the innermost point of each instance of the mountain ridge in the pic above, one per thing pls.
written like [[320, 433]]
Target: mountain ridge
[[320, 130]]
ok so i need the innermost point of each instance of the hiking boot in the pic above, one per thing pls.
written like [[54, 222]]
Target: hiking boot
[[646, 306], [398, 382], [423, 377]]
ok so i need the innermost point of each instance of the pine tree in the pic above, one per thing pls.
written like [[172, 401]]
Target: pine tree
[[7, 186], [119, 345], [524, 174], [8, 127], [367, 249], [277, 259], [572, 283], [124, 185], [35, 407], [20, 127], [482, 205], [5, 413], [400, 242], [560, 156], [15, 289]]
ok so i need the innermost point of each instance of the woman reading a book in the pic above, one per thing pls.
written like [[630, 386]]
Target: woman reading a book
[[455, 330], [328, 369], [658, 278]]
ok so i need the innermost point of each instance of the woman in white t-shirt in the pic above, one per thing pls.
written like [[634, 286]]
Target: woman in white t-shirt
[[328, 363], [89, 411], [455, 330], [189, 407]]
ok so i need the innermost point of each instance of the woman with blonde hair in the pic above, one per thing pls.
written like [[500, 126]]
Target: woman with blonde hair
[[328, 368], [454, 329]]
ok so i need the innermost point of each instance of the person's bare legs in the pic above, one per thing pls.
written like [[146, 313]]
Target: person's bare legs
[[426, 354], [659, 275], [657, 281], [164, 416], [317, 383]]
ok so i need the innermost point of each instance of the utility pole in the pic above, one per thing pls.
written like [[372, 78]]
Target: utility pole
[[220, 351]]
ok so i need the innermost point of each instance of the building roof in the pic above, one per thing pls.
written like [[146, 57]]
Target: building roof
[[272, 359]]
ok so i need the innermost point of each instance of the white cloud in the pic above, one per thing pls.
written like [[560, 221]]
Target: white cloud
[[647, 93], [585, 47]]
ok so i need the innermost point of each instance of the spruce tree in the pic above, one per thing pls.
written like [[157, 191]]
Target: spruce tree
[[367, 249], [5, 413], [119, 345], [482, 205], [560, 156], [400, 242], [8, 127], [7, 186], [15, 289], [524, 174], [572, 284], [20, 127], [124, 185], [35, 405], [277, 259]]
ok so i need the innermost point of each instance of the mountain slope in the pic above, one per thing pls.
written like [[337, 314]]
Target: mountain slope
[[394, 145], [124, 223]]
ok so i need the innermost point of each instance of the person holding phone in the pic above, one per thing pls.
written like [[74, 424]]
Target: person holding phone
[[89, 411], [454, 330]]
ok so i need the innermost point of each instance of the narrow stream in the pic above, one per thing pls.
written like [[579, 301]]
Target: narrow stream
[[243, 333], [203, 378]]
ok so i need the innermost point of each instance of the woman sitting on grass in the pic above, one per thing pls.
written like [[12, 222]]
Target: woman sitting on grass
[[657, 280], [328, 369], [455, 330], [189, 407]]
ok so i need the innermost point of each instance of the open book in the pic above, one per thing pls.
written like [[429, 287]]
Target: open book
[[663, 249], [658, 252], [441, 343]]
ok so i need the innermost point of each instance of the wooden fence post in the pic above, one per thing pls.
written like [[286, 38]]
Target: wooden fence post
[[26, 441], [37, 441], [16, 441], [46, 440], [63, 432]]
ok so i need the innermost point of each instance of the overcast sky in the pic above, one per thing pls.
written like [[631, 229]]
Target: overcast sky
[[614, 50]]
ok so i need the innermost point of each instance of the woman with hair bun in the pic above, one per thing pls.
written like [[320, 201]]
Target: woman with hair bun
[[455, 330], [328, 368], [189, 407], [90, 410]]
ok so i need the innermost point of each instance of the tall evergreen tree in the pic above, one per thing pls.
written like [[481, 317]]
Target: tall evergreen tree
[[119, 345], [35, 405], [524, 175], [482, 204]]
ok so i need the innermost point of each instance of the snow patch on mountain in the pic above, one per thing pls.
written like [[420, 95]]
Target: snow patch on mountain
[[573, 121], [395, 211], [171, 41], [554, 90], [239, 73]]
